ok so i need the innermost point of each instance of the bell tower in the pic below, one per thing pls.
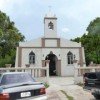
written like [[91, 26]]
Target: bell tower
[[50, 26]]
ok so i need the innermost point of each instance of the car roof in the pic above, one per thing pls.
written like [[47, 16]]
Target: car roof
[[92, 72]]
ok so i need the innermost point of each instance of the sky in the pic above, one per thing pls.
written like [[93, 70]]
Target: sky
[[73, 16]]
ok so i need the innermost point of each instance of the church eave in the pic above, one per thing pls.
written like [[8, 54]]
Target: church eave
[[50, 18]]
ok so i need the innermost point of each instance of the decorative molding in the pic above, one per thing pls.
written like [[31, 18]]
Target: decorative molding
[[58, 67], [58, 42], [53, 47], [50, 18], [43, 63], [27, 65], [51, 38], [75, 61], [19, 56], [43, 42], [81, 57], [8, 65]]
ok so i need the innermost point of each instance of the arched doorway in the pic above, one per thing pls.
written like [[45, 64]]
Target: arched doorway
[[53, 63]]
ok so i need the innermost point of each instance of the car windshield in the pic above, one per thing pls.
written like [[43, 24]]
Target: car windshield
[[16, 78]]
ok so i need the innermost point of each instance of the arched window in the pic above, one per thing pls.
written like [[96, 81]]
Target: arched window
[[31, 57], [70, 58], [51, 26]]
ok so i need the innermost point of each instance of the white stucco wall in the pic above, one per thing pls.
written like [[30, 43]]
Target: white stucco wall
[[49, 33], [25, 57], [46, 51], [50, 43], [68, 70], [83, 57], [16, 60], [41, 53]]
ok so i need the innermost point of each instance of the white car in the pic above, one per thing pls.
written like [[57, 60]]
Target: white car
[[20, 86]]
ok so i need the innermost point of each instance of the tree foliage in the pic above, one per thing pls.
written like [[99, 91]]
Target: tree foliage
[[9, 39], [94, 26], [91, 42]]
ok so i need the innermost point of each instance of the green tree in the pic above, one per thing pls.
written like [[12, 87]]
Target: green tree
[[9, 39], [91, 42], [94, 26]]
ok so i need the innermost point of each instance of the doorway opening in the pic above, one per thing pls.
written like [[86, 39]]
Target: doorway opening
[[52, 64]]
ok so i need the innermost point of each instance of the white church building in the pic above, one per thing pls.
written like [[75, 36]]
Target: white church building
[[61, 52]]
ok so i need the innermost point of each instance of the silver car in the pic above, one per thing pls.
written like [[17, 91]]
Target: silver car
[[20, 86]]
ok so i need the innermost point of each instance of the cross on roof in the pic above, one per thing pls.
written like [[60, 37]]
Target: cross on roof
[[50, 8]]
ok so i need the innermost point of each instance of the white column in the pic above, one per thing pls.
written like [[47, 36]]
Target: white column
[[75, 71], [33, 72], [47, 71], [39, 72]]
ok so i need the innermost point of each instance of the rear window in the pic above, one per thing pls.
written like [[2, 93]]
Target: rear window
[[16, 78], [92, 76]]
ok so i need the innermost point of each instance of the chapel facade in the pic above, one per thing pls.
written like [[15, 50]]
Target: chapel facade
[[61, 52]]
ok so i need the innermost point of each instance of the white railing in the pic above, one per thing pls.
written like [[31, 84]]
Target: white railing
[[39, 73], [80, 71]]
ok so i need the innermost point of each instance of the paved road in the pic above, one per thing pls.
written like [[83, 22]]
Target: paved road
[[66, 84]]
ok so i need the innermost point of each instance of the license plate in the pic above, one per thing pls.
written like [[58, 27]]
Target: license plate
[[25, 94]]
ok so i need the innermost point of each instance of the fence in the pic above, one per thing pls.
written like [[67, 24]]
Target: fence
[[79, 72], [39, 73]]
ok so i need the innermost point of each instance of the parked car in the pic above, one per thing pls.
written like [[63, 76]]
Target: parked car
[[92, 82], [20, 86], [92, 79]]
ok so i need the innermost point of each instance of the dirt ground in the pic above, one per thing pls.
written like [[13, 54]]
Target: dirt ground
[[66, 84]]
